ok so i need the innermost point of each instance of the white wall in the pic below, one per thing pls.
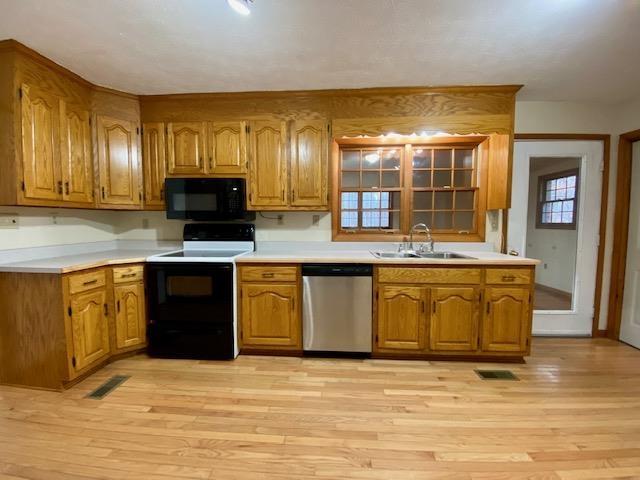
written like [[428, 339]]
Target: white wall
[[556, 248]]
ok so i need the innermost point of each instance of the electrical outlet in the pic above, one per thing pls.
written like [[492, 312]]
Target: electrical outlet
[[315, 220], [54, 219], [9, 221], [280, 219]]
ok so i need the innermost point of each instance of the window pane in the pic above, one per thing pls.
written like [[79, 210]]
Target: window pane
[[422, 158], [463, 158], [567, 206], [551, 185], [571, 181], [561, 183], [349, 201], [391, 179], [391, 159], [370, 179], [394, 198], [350, 179], [422, 179], [349, 219], [371, 219], [350, 160], [371, 200], [443, 200], [441, 178], [371, 160], [551, 195], [442, 158], [561, 194], [556, 217], [463, 221], [443, 220], [462, 178], [422, 217], [567, 217], [556, 207], [464, 201], [571, 193], [422, 200], [546, 217]]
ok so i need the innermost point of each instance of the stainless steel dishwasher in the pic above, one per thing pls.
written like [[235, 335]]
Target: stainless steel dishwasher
[[336, 307]]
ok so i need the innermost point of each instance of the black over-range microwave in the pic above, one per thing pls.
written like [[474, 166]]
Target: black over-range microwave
[[207, 199]]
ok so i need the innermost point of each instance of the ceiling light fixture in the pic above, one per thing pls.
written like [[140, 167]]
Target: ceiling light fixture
[[243, 7]]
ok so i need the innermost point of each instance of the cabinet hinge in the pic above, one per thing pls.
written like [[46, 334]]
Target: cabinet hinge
[[20, 92], [69, 311], [527, 343], [73, 361], [137, 130], [377, 295], [247, 129], [22, 186], [376, 338], [529, 297], [142, 130], [90, 121], [166, 129]]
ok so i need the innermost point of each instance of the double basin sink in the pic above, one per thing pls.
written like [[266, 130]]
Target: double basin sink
[[438, 255]]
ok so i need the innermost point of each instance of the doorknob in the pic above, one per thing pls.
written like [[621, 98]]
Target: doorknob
[[514, 253]]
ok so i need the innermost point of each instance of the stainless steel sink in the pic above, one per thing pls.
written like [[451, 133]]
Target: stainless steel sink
[[440, 255], [443, 255], [395, 255]]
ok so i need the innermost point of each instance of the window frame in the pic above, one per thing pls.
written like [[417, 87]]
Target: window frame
[[542, 181], [479, 143]]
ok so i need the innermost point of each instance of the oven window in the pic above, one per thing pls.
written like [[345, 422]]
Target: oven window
[[185, 202], [189, 286]]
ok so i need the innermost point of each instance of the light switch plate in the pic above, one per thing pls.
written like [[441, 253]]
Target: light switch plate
[[9, 221]]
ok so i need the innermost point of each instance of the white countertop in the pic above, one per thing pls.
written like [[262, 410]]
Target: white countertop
[[365, 256]]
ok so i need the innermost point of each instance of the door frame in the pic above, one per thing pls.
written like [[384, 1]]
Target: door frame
[[620, 231], [606, 147]]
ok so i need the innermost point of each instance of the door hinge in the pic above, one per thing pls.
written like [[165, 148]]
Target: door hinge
[[69, 311], [73, 361]]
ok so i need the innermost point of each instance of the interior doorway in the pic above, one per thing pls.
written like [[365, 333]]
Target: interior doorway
[[555, 217]]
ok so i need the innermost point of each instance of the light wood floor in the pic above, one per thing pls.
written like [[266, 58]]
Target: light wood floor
[[575, 414], [549, 300]]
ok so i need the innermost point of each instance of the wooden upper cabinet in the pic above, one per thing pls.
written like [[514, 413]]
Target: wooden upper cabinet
[[498, 171], [186, 148], [402, 318], [130, 314], [75, 149], [309, 163], [154, 163], [89, 327], [40, 145], [228, 153], [118, 162], [454, 319], [268, 184], [505, 327], [270, 315]]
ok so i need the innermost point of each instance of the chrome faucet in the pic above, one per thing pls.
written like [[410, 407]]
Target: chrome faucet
[[429, 243]]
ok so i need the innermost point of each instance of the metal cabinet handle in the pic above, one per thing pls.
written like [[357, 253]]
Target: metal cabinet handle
[[268, 275], [124, 275], [508, 278], [90, 282]]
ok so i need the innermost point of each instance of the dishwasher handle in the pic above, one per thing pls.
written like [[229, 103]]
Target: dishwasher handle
[[336, 270]]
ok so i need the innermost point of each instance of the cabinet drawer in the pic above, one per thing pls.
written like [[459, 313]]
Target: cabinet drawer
[[128, 274], [81, 282], [505, 276], [429, 275], [268, 274]]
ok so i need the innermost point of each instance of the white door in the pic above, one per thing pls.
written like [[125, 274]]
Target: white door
[[630, 322], [578, 319]]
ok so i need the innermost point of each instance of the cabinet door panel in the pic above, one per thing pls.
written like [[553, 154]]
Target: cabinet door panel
[[269, 315], [228, 148], [401, 318], [40, 145], [118, 162], [89, 327], [186, 148], [75, 149], [506, 322], [130, 314], [309, 159], [153, 163], [268, 167], [454, 319]]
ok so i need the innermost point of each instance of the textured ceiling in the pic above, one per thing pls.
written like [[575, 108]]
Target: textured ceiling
[[560, 49]]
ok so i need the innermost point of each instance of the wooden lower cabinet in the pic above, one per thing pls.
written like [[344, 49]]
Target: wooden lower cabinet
[[130, 314], [88, 313], [402, 318], [270, 307], [454, 319], [269, 315], [506, 324]]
